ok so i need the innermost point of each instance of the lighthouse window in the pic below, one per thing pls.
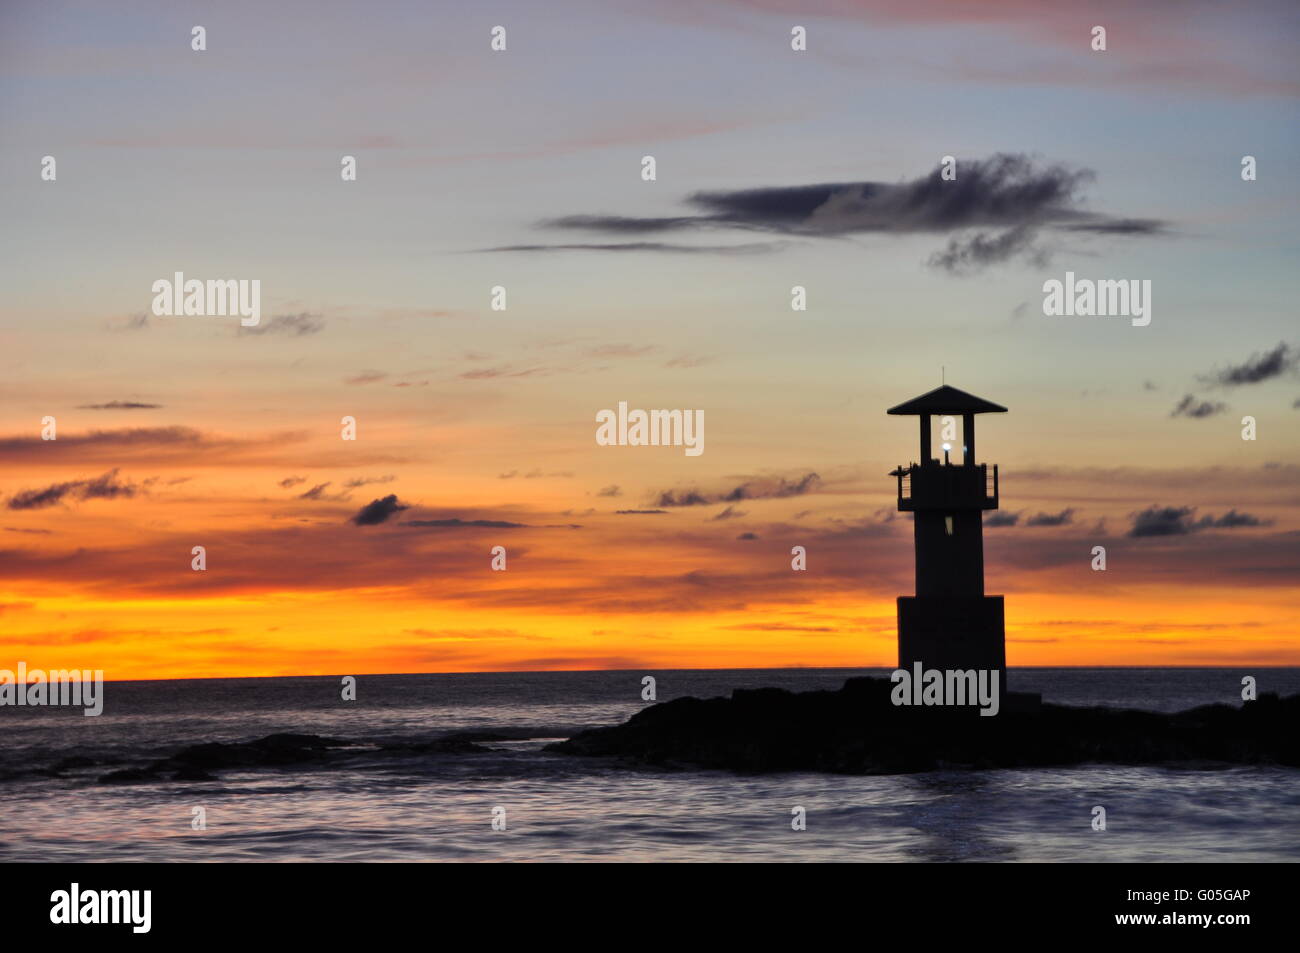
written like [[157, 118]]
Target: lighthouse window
[[947, 524]]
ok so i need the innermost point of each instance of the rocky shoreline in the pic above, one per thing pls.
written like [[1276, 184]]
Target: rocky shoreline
[[284, 750], [858, 730]]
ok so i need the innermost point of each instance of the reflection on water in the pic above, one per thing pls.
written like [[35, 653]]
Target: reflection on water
[[564, 809], [956, 814]]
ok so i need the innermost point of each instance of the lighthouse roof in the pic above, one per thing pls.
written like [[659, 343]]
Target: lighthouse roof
[[947, 400]]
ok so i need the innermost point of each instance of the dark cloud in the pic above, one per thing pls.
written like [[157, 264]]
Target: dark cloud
[[758, 488], [1004, 191], [1163, 521], [730, 513], [1051, 519], [611, 490], [126, 437], [318, 493], [106, 487], [1004, 199], [144, 446], [747, 536], [624, 225], [685, 498], [378, 511], [1232, 519], [1180, 521], [1190, 406], [367, 481], [972, 253], [289, 325], [1257, 368], [998, 519], [120, 405], [103, 487], [366, 377], [1118, 226], [639, 512], [292, 481], [464, 524]]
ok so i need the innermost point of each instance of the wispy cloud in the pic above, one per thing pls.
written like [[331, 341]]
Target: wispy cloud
[[757, 488], [103, 487], [457, 523], [366, 377], [1192, 406], [119, 405], [995, 209], [1062, 518], [1257, 368], [367, 481], [287, 325]]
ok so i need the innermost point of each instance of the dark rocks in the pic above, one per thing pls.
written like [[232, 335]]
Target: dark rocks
[[857, 730], [272, 751], [285, 750], [196, 762]]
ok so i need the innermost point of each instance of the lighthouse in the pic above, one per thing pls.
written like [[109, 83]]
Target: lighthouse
[[950, 623]]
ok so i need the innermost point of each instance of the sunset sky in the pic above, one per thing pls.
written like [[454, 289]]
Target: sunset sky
[[522, 169]]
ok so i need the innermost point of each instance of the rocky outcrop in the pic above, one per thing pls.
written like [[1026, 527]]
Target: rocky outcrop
[[285, 750], [858, 730]]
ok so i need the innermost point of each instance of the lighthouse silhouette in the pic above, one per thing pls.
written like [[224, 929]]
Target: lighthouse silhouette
[[950, 623]]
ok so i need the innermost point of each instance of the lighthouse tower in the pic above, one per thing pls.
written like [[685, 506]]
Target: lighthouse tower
[[950, 623]]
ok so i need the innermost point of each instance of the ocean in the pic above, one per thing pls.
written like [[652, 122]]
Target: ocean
[[381, 805]]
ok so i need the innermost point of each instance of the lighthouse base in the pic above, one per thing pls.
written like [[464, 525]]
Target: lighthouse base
[[942, 632]]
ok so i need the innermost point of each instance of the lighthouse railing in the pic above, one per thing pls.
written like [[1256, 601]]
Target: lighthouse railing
[[946, 485]]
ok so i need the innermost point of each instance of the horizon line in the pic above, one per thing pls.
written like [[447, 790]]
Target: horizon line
[[651, 670]]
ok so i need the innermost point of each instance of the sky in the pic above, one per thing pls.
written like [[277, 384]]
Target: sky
[[522, 169]]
